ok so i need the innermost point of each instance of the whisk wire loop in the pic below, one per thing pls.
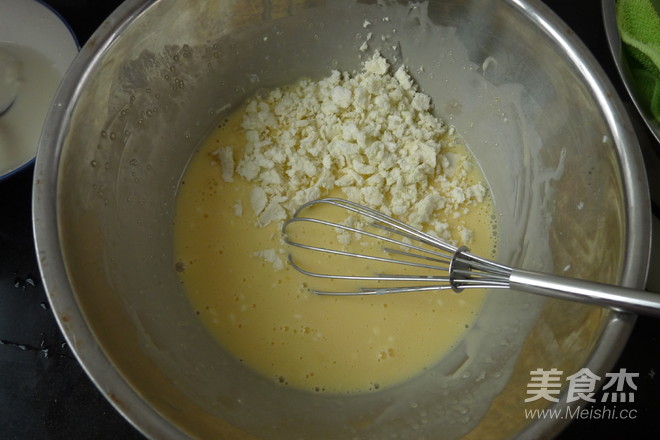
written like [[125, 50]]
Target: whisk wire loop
[[459, 268]]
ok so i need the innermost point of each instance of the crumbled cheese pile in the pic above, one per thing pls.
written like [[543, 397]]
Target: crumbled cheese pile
[[371, 134]]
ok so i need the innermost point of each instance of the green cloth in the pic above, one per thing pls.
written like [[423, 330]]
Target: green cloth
[[639, 27]]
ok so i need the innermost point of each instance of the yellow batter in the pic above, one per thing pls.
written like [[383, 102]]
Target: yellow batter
[[269, 320]]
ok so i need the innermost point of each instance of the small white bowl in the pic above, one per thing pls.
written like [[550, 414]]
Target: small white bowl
[[43, 45]]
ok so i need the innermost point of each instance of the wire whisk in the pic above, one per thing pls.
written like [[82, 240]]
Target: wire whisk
[[423, 261]]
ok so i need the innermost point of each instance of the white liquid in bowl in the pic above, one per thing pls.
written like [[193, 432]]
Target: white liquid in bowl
[[20, 127]]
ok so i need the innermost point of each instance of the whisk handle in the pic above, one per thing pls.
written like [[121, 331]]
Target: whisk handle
[[619, 298]]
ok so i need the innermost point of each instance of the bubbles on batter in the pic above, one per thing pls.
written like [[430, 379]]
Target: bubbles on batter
[[374, 386], [390, 353]]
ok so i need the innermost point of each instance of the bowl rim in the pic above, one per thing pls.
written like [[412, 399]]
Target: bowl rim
[[619, 324]]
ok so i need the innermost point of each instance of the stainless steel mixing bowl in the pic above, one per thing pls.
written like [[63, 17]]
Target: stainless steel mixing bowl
[[537, 111]]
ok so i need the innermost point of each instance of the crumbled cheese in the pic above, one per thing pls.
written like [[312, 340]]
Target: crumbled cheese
[[465, 235], [238, 209], [423, 210], [404, 79], [365, 45], [476, 192], [341, 96], [377, 66], [272, 212], [226, 158], [270, 256], [371, 134], [258, 199], [345, 237]]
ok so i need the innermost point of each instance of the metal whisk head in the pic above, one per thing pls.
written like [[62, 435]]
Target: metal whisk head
[[420, 261]]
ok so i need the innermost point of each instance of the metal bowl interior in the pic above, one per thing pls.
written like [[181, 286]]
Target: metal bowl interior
[[534, 107]]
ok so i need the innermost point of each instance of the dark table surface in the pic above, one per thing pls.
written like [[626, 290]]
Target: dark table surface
[[45, 394]]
